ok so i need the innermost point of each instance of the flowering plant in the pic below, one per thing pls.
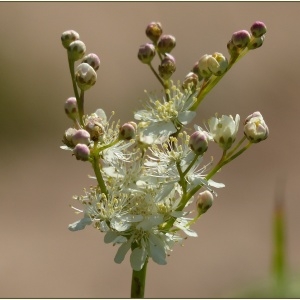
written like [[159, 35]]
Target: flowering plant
[[149, 173]]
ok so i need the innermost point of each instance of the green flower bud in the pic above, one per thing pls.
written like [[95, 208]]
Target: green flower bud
[[199, 142], [255, 128], [256, 42], [128, 131], [81, 136], [241, 38], [232, 49], [154, 31], [204, 201], [190, 81], [81, 152], [258, 29], [146, 53], [166, 44], [217, 63], [85, 76], [71, 109], [204, 70], [76, 50], [68, 37], [167, 67], [93, 60]]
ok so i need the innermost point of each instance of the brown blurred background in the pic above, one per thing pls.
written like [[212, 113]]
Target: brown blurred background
[[39, 256]]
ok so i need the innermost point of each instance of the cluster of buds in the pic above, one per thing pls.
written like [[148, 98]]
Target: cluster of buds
[[149, 172], [162, 44]]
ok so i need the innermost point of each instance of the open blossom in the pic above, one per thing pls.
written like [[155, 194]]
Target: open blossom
[[163, 118], [223, 130]]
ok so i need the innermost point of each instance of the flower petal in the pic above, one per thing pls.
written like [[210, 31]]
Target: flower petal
[[137, 258]]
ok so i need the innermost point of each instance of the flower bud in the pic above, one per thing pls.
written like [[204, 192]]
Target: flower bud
[[67, 138], [258, 29], [232, 49], [217, 64], [166, 44], [146, 53], [204, 70], [76, 50], [81, 152], [69, 36], [154, 31], [81, 137], [128, 131], [85, 76], [241, 38], [199, 142], [93, 60], [196, 70], [255, 129], [71, 108], [256, 42], [167, 67], [190, 81], [204, 201]]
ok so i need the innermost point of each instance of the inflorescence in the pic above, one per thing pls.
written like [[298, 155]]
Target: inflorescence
[[149, 173]]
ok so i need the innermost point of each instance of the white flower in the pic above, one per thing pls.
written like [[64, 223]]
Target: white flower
[[255, 129], [163, 118], [223, 130]]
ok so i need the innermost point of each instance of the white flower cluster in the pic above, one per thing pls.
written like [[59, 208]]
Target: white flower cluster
[[143, 205]]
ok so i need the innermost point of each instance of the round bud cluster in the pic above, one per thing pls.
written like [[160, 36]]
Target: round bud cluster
[[81, 152], [128, 131], [166, 44], [85, 76], [190, 81], [204, 201], [76, 50], [71, 108], [69, 36], [167, 67], [146, 53], [93, 60], [154, 31], [255, 128], [199, 142]]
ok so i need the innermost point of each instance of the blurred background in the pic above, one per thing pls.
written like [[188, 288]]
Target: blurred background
[[39, 256]]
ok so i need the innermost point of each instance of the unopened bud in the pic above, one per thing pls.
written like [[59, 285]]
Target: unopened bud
[[71, 108], [146, 53], [167, 67], [85, 76], [232, 49], [154, 31], [255, 128], [204, 201], [81, 137], [217, 63], [241, 38], [204, 70], [256, 42], [93, 60], [199, 142], [196, 70], [81, 152], [69, 36], [166, 44], [128, 131], [258, 29], [67, 138], [76, 50], [190, 81]]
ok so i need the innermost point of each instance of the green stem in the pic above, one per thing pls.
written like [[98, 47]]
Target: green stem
[[80, 104], [96, 167], [138, 282]]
